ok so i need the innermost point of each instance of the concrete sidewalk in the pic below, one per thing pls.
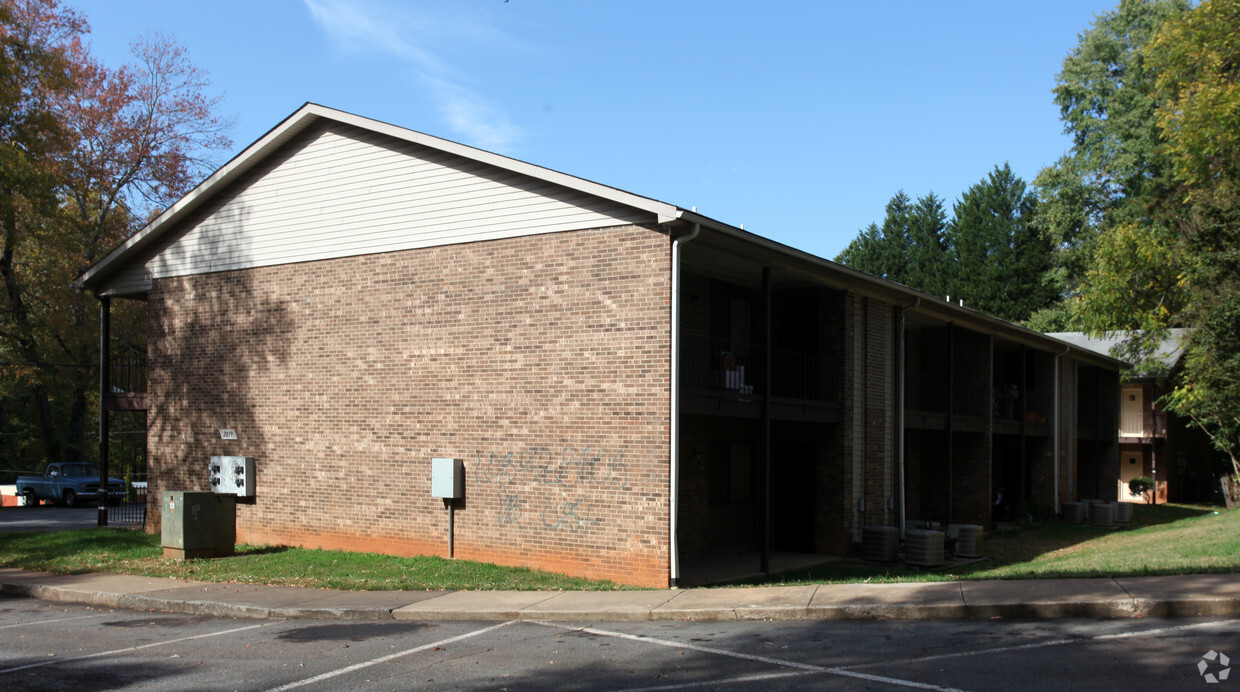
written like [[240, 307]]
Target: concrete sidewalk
[[1207, 594]]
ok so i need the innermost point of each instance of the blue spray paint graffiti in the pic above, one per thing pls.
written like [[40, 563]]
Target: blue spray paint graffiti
[[570, 470]]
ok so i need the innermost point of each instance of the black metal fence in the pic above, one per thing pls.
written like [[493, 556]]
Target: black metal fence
[[130, 510]]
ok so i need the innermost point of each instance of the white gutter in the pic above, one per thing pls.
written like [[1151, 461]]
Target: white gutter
[[674, 485], [1057, 413]]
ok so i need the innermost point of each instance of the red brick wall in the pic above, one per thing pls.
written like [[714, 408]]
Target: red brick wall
[[880, 448], [541, 361]]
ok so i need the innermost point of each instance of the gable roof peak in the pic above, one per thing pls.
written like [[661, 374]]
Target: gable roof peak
[[311, 114]]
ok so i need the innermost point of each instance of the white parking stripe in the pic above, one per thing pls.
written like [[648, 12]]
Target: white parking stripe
[[54, 661], [1037, 645], [385, 659], [763, 677], [51, 622], [805, 668], [692, 647], [891, 681], [1168, 630]]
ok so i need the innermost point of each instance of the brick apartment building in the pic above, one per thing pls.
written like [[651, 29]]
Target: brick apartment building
[[633, 387], [1153, 441]]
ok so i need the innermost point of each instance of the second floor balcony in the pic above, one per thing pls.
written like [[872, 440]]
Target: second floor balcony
[[727, 368], [128, 380]]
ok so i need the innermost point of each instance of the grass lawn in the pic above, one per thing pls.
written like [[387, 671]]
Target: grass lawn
[[1163, 539], [125, 551]]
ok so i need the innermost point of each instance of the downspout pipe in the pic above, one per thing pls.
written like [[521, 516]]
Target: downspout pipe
[[1056, 414], [901, 367], [674, 456]]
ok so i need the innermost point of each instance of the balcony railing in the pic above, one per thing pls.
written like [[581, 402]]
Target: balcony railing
[[721, 365], [1132, 424], [128, 373]]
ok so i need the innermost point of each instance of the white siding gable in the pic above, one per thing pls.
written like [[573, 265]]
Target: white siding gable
[[341, 191]]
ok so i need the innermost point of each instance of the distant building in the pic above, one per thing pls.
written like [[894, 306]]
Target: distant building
[[1154, 442], [635, 389]]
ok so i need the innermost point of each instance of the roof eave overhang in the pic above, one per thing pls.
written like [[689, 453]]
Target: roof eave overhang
[[863, 284]]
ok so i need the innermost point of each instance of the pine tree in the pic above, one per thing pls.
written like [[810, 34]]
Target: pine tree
[[1000, 260]]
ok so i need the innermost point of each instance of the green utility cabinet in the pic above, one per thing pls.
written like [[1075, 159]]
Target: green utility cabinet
[[198, 524]]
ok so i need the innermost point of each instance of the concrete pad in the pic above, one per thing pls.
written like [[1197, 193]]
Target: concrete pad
[[351, 605], [108, 590], [354, 605], [1184, 594], [778, 602], [247, 594], [1047, 598], [261, 601], [473, 605], [882, 601], [120, 583], [612, 606]]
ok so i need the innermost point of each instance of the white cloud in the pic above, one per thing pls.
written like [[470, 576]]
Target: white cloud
[[410, 33], [478, 120]]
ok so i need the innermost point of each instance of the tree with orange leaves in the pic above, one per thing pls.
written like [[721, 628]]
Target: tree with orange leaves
[[87, 154]]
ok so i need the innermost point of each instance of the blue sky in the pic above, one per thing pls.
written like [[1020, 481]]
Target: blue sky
[[797, 119]]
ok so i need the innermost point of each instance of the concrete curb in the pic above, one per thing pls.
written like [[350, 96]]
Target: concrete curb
[[1179, 596]]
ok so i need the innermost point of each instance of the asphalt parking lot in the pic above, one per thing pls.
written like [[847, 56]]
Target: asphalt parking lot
[[48, 518], [45, 645]]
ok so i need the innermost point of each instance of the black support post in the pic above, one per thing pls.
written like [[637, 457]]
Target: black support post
[[766, 421], [105, 389], [1025, 495], [951, 433]]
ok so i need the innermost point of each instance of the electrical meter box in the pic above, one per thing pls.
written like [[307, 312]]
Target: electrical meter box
[[447, 478], [197, 524], [232, 476]]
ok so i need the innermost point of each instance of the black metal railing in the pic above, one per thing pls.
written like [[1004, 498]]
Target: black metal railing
[[796, 375], [721, 365], [128, 373]]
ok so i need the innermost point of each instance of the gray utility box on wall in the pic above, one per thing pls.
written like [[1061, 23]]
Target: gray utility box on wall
[[447, 478], [198, 524], [232, 476]]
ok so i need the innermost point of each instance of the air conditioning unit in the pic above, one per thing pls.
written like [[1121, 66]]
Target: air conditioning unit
[[924, 548], [1123, 513], [1072, 512], [1102, 514], [1087, 507], [880, 543], [968, 539]]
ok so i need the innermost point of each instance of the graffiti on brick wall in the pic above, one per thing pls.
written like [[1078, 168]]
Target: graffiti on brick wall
[[571, 471]]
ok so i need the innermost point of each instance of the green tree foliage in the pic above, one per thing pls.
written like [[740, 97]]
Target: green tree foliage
[[999, 257], [990, 254], [928, 257], [909, 248], [1167, 251], [883, 251], [1116, 171], [87, 153], [1106, 100], [1196, 58]]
